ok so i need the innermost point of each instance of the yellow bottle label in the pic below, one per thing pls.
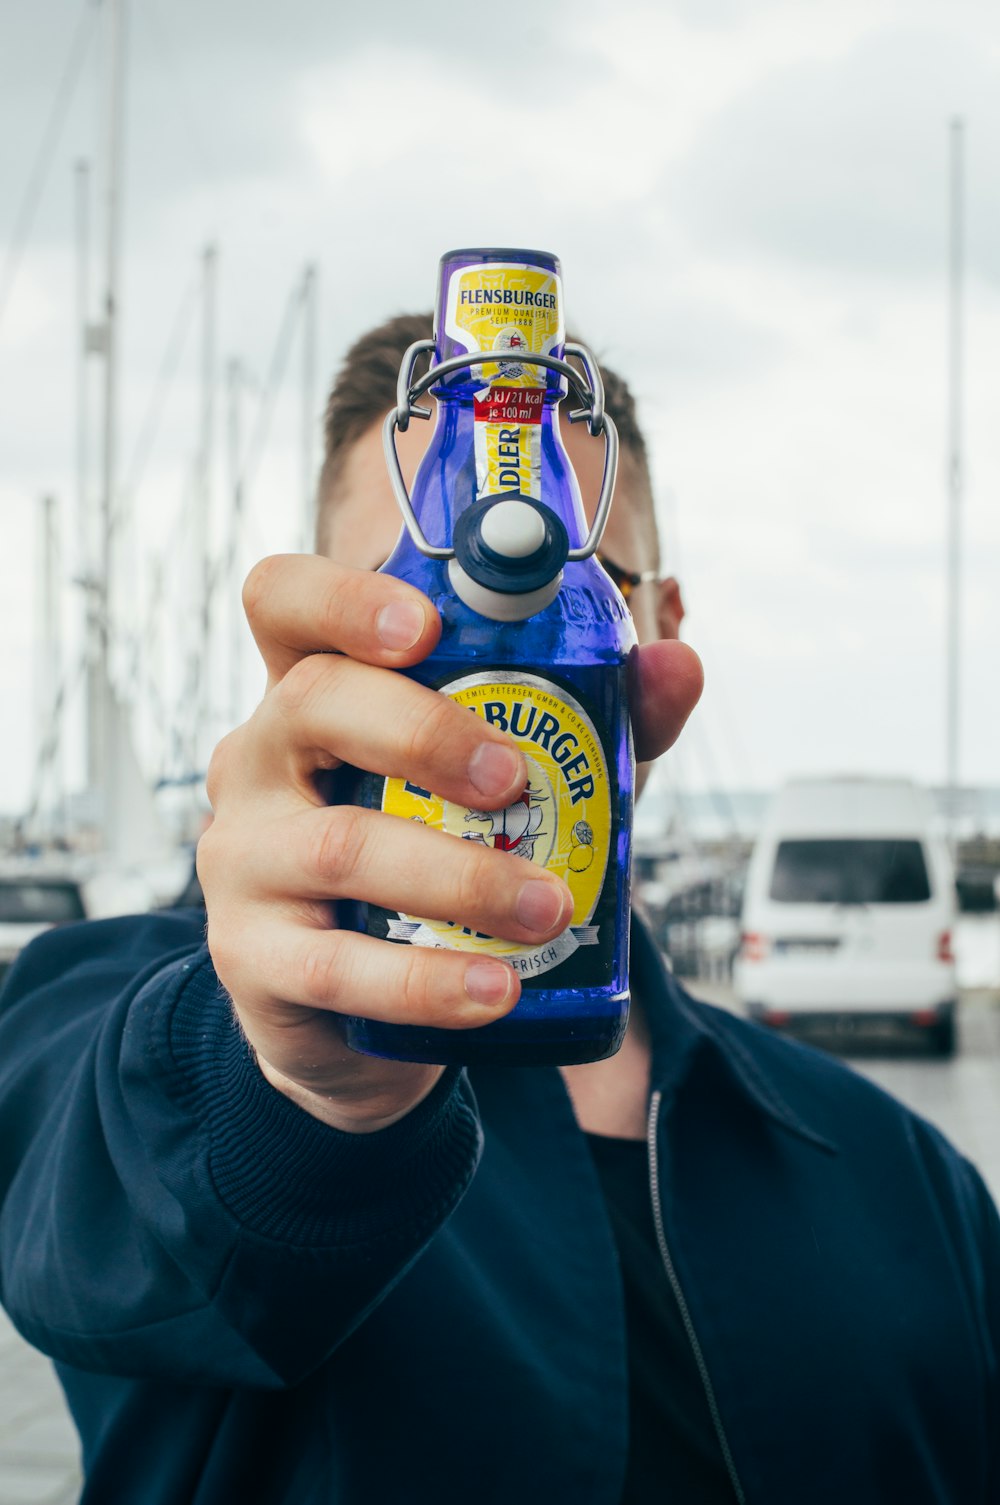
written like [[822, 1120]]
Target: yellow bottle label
[[510, 307], [516, 309], [563, 822]]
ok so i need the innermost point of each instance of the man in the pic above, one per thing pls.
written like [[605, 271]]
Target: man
[[715, 1267], [358, 525]]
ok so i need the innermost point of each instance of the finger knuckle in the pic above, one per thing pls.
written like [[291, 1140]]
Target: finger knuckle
[[304, 685], [259, 586], [429, 727], [323, 971], [228, 950], [339, 606], [477, 883], [338, 844], [421, 992], [225, 861], [221, 766], [205, 857], [432, 991]]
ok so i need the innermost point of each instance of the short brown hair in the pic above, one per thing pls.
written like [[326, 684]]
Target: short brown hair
[[365, 390]]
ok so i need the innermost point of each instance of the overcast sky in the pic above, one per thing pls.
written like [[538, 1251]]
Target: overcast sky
[[750, 204]]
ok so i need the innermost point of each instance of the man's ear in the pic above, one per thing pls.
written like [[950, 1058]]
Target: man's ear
[[669, 608]]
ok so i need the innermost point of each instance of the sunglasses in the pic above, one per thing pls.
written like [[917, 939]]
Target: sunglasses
[[626, 580]]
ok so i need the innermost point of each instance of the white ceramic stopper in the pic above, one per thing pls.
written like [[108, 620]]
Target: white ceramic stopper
[[513, 529], [497, 605]]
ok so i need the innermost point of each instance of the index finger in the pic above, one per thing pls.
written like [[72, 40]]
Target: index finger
[[299, 604]]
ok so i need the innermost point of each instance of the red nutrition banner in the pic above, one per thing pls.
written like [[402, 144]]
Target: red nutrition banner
[[511, 405]]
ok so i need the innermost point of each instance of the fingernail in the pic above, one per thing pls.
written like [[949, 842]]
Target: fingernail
[[493, 768], [539, 905], [488, 982], [399, 624]]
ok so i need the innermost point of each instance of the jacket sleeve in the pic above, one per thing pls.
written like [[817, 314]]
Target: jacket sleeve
[[989, 1243], [164, 1212], [969, 1216]]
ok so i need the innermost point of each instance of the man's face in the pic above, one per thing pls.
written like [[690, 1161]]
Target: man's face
[[364, 520]]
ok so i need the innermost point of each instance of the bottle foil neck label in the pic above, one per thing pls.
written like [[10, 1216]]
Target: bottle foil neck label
[[510, 307], [516, 309], [508, 455]]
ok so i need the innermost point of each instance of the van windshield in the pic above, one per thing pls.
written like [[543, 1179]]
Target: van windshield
[[850, 872]]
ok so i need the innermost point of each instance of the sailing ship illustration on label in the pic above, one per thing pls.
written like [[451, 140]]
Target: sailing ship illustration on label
[[514, 829], [564, 820]]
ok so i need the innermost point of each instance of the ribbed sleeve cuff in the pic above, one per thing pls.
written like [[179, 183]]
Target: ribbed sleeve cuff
[[289, 1177]]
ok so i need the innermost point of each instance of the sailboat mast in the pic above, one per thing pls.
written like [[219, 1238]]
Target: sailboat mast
[[81, 201], [106, 773], [955, 467], [202, 531], [48, 670], [90, 342], [309, 415]]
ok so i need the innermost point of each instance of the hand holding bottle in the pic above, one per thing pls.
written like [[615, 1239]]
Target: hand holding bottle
[[276, 856]]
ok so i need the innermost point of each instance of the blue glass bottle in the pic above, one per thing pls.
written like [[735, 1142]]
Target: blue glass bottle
[[535, 640]]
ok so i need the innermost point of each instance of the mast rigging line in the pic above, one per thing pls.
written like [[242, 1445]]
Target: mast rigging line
[[37, 178], [159, 393], [50, 743], [151, 17], [295, 307], [275, 378], [131, 636]]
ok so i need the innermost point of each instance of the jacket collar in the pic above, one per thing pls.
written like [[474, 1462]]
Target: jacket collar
[[681, 1029]]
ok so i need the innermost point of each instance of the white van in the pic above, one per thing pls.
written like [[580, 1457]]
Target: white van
[[848, 910]]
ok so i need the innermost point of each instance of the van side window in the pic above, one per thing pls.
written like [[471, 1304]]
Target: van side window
[[850, 872]]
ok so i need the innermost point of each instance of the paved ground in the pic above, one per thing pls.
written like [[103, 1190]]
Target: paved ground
[[38, 1448], [962, 1097]]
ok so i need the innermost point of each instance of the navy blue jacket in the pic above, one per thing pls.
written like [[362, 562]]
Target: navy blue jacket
[[247, 1305]]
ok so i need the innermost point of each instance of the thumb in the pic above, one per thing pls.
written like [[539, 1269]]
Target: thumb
[[665, 684]]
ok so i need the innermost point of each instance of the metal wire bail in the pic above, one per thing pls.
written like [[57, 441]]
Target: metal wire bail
[[590, 397]]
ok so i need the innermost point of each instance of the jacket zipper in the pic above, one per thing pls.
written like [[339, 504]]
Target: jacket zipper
[[668, 1265]]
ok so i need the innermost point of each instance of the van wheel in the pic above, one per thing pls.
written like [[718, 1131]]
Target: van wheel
[[944, 1037]]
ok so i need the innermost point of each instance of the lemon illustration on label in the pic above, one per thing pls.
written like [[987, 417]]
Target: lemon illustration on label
[[562, 821]]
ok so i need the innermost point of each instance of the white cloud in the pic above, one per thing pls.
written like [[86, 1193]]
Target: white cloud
[[749, 202], [840, 162]]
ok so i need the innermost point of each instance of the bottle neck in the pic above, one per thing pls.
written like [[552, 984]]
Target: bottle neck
[[495, 441]]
